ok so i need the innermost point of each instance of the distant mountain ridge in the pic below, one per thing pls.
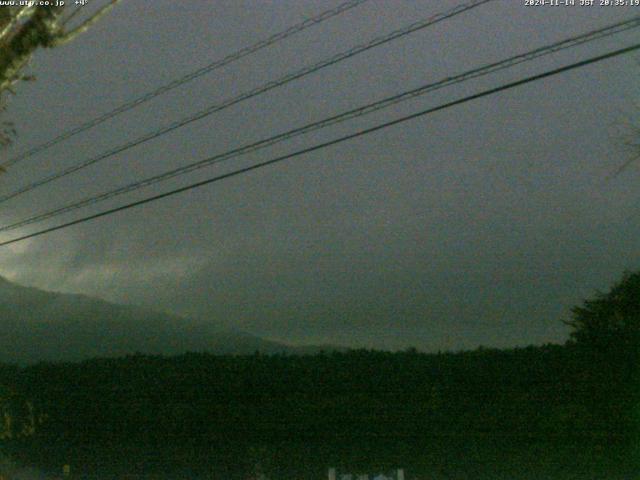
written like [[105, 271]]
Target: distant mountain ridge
[[37, 325]]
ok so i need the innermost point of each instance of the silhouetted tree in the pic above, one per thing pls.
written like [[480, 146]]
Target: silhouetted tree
[[610, 319], [24, 29]]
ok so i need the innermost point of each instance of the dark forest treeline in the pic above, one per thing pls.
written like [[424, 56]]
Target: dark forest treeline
[[159, 411], [553, 411], [550, 389]]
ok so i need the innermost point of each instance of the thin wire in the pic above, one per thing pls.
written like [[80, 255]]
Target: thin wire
[[69, 17], [357, 112], [186, 78], [252, 93], [331, 142]]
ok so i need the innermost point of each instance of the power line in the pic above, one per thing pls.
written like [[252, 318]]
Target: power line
[[251, 93], [332, 142], [357, 112], [69, 17], [294, 29]]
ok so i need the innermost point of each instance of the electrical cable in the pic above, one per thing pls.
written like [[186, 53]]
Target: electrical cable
[[186, 78], [357, 112], [316, 147]]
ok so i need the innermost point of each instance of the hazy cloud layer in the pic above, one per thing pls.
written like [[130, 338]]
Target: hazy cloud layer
[[482, 224]]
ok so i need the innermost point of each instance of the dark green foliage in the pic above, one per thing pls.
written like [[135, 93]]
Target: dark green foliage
[[538, 412], [359, 409], [606, 329], [611, 320]]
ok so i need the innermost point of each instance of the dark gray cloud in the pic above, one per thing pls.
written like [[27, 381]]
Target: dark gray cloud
[[482, 224]]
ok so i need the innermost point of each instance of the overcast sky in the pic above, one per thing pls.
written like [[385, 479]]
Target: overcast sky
[[479, 225]]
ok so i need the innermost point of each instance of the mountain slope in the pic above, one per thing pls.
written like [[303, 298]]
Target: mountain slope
[[37, 325]]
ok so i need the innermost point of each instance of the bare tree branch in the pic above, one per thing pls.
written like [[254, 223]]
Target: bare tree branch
[[44, 27], [63, 38], [630, 138], [38, 31], [14, 19], [25, 29]]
